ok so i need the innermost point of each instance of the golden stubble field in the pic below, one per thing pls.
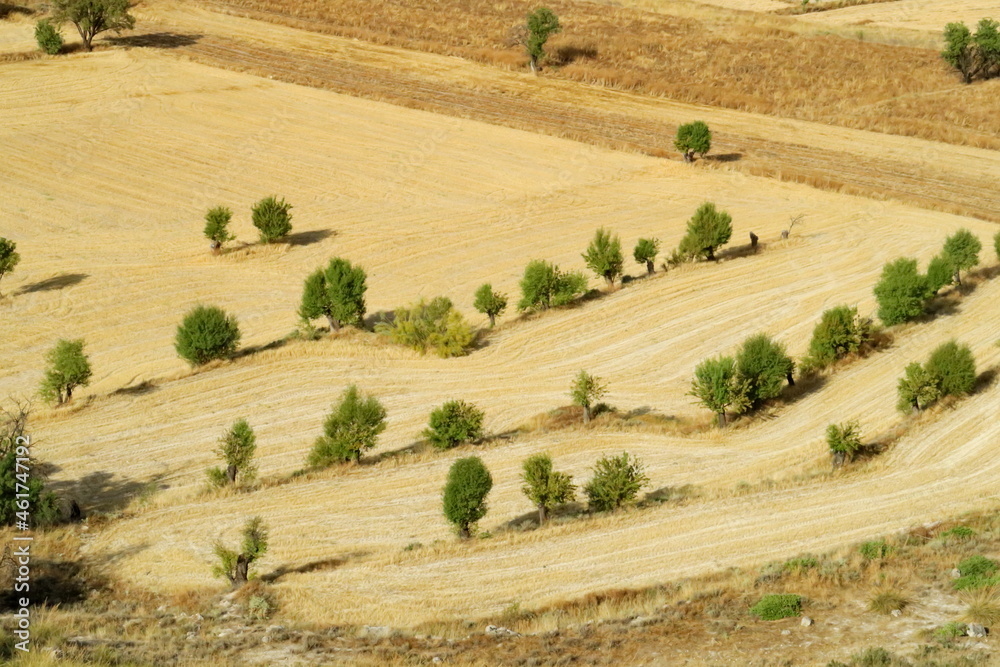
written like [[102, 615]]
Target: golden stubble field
[[110, 161]]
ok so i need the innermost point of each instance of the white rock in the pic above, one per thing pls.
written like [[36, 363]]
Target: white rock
[[786, 632], [896, 613], [806, 622]]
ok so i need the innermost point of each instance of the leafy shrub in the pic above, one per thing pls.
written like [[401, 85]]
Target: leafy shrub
[[718, 386], [206, 333], [954, 368], [764, 366], [645, 253], [236, 448], [48, 37], [430, 326], [68, 369], [453, 423], [706, 231], [260, 607], [544, 286], [917, 388], [336, 292], [692, 138], [960, 532], [976, 572], [841, 331], [874, 550], [962, 248], [235, 566], [843, 440], [585, 391], [902, 292], [217, 226], [465, 493], [604, 256], [9, 258], [545, 487], [272, 219], [951, 630], [617, 481], [352, 427], [776, 607], [490, 303], [44, 504], [940, 272]]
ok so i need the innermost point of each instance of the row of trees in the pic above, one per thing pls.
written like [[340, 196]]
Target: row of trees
[[973, 55]]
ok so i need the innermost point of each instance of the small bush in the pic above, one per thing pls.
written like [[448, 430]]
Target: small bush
[[876, 657], [217, 226], [843, 440], [776, 607], [954, 368], [544, 286], [48, 37], [272, 219], [430, 326], [645, 253], [693, 138], [453, 423], [206, 333], [984, 606], [617, 481], [260, 607], [887, 601], [959, 532], [951, 630], [800, 564], [707, 230], [841, 331], [352, 427], [489, 302], [976, 572], [917, 389], [874, 550], [68, 369], [901, 292]]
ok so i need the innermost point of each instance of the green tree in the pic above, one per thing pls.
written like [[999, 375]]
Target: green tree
[[843, 440], [902, 292], [92, 17], [490, 303], [434, 325], [764, 366], [48, 37], [217, 226], [693, 138], [544, 286], [540, 25], [352, 427], [719, 387], [68, 369], [917, 389], [271, 217], [337, 293], [18, 491], [616, 482], [545, 487], [940, 273], [960, 50], [706, 230], [453, 423], [954, 368], [586, 390], [8, 257], [207, 333], [962, 250], [465, 492], [996, 246], [236, 448], [645, 252], [235, 566], [840, 331], [604, 256]]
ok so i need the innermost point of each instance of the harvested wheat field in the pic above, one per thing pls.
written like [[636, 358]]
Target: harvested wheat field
[[109, 223]]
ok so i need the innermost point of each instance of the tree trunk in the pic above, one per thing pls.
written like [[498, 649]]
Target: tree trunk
[[610, 281], [791, 380], [216, 247], [334, 324], [838, 459], [69, 393], [711, 254], [689, 156], [534, 65], [493, 319], [722, 419], [753, 241], [231, 473], [87, 36], [586, 414], [958, 277], [541, 514], [463, 532], [649, 267], [242, 566]]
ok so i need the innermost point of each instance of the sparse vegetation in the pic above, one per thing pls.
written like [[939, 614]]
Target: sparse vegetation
[[207, 333], [352, 427], [604, 256], [645, 253], [693, 139], [775, 607], [8, 257], [545, 487], [217, 226], [544, 286], [236, 449], [707, 230], [586, 391], [843, 440], [336, 293], [68, 369], [92, 17], [235, 565], [453, 423], [962, 248], [430, 326], [902, 292], [272, 219], [490, 303], [49, 38], [840, 332], [616, 482], [469, 482], [719, 387]]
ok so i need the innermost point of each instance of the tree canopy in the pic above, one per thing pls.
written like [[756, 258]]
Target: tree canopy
[[92, 17], [707, 229]]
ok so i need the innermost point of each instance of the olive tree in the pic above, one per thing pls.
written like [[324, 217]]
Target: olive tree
[[465, 492], [453, 423], [545, 487], [8, 257], [352, 427], [489, 302], [954, 368], [843, 440], [92, 17], [962, 250], [68, 369], [645, 253], [917, 389], [840, 331], [271, 217], [718, 386], [706, 230], [693, 138], [539, 26], [206, 333], [586, 390], [544, 286], [235, 565], [616, 482], [337, 293], [604, 256], [940, 273], [217, 226], [17, 488], [434, 325], [764, 366], [236, 448], [901, 292]]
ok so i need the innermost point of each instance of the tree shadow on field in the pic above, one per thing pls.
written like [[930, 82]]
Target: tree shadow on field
[[568, 53], [386, 316], [985, 380], [263, 347], [529, 520], [804, 386], [320, 565], [7, 10], [54, 283], [724, 157], [156, 40], [310, 237], [141, 389], [104, 491], [738, 251]]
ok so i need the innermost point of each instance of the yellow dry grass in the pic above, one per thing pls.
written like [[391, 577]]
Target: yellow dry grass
[[110, 161]]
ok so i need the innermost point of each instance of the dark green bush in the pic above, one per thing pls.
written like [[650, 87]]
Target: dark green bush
[[776, 607], [453, 423], [48, 37], [617, 481], [544, 285], [206, 333], [271, 218], [465, 493], [875, 550], [954, 368], [976, 572], [902, 292], [841, 331], [352, 427]]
